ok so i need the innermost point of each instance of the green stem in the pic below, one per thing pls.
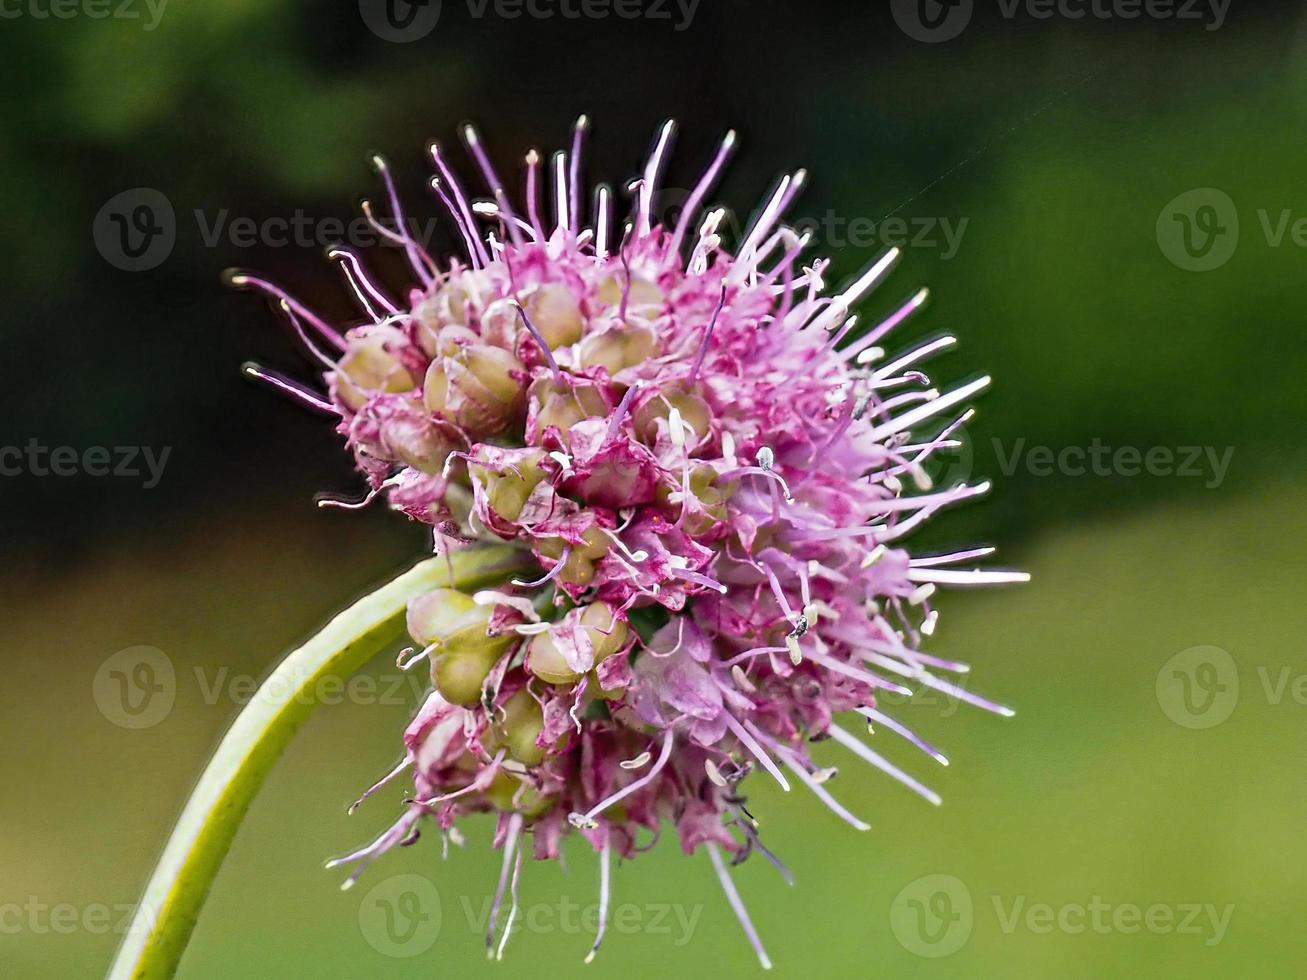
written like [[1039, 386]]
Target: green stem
[[168, 912]]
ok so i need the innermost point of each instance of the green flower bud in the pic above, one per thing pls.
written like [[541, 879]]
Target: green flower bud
[[643, 292], [368, 367], [500, 324], [618, 348], [561, 407], [480, 388], [519, 726], [579, 568], [608, 633], [512, 795], [556, 313], [544, 659], [507, 492], [693, 409], [462, 651]]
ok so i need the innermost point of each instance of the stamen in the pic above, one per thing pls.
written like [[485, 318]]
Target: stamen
[[574, 178], [562, 211], [707, 336], [533, 194], [542, 343], [744, 732], [586, 820], [603, 219], [623, 406], [737, 905], [241, 280], [700, 191], [902, 730], [473, 141], [510, 848], [403, 764], [639, 762], [467, 223], [289, 387], [813, 783], [605, 853], [417, 258], [644, 209], [858, 748], [512, 909]]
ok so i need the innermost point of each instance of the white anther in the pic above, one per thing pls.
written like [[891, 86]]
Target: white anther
[[921, 593], [674, 422], [766, 458], [714, 773], [874, 555], [563, 460], [796, 655], [742, 679], [870, 355], [639, 762]]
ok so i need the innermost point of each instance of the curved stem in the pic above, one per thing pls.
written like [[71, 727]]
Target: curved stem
[[167, 913]]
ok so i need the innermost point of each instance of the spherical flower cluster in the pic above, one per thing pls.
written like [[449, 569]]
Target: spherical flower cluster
[[714, 469]]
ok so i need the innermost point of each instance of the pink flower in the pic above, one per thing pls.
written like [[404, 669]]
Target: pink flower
[[713, 465]]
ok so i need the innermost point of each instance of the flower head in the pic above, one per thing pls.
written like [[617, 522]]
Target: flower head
[[715, 470]]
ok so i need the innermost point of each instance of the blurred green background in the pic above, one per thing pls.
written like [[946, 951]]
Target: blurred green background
[[1155, 660]]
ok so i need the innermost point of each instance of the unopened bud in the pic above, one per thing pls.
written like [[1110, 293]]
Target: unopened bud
[[562, 406], [462, 651], [369, 368], [507, 492], [618, 348], [579, 568], [642, 292], [520, 726], [480, 389], [556, 313], [694, 411]]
